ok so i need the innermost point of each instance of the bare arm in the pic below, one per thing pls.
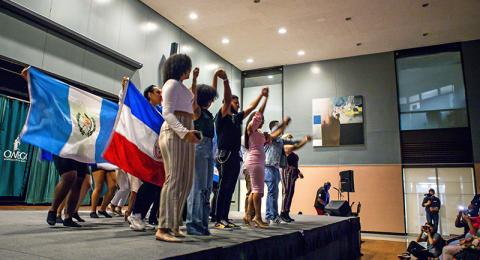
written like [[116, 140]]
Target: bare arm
[[215, 78], [227, 92], [293, 147], [196, 109], [264, 104], [254, 103], [280, 128]]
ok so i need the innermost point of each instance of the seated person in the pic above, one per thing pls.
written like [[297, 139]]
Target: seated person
[[470, 238], [434, 242], [460, 223]]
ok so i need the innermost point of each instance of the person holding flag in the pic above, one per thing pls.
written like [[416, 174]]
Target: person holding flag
[[74, 126]]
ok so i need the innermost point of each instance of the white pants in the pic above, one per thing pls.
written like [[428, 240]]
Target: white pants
[[135, 183], [121, 197]]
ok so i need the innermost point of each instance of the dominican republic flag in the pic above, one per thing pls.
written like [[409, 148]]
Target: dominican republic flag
[[134, 143], [67, 121]]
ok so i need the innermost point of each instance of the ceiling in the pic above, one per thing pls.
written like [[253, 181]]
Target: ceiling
[[319, 27]]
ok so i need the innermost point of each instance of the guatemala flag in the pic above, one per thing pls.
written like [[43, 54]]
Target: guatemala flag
[[134, 142], [67, 121]]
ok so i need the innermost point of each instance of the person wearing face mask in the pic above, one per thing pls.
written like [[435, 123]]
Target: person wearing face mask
[[177, 144], [323, 198]]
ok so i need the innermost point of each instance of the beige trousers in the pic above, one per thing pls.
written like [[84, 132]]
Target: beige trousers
[[179, 163]]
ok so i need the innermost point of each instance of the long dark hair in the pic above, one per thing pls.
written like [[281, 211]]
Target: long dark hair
[[175, 66], [205, 94], [247, 136]]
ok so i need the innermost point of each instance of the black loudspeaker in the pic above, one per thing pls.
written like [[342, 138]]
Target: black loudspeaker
[[346, 181], [339, 208], [173, 48]]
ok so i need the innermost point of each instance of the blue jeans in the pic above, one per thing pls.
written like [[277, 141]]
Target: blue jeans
[[272, 179], [198, 204], [432, 218]]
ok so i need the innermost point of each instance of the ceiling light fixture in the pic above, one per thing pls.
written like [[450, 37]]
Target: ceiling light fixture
[[282, 30], [225, 41], [301, 53], [270, 76], [193, 16], [250, 60]]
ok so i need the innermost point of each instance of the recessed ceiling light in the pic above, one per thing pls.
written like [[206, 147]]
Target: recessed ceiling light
[[348, 19], [193, 16], [225, 41], [359, 44], [425, 4], [425, 34], [301, 53], [250, 60], [102, 2], [270, 76], [315, 70], [282, 30]]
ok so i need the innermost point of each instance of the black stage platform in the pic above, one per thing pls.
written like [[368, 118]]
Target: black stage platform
[[25, 235]]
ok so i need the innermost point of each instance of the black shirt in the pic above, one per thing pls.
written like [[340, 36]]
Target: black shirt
[[229, 131], [205, 124], [476, 205], [292, 160], [435, 203], [323, 195]]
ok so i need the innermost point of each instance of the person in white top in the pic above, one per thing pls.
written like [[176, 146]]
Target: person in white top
[[176, 141]]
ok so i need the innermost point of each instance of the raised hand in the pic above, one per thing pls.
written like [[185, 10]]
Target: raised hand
[[196, 71], [221, 74], [265, 92]]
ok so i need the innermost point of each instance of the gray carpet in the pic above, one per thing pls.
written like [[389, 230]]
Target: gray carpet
[[26, 235]]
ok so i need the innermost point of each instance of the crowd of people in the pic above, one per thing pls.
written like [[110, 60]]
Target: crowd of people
[[192, 141], [430, 244]]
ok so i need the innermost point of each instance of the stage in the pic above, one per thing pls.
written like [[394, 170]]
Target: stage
[[26, 235]]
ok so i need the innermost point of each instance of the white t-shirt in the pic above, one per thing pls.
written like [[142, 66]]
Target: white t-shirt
[[176, 97]]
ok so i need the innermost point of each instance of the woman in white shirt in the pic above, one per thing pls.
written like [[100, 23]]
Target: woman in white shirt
[[176, 143]]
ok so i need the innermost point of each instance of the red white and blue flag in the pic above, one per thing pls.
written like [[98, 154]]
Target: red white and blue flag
[[133, 145]]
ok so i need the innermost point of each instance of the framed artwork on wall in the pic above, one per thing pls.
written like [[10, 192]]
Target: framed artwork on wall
[[337, 121]]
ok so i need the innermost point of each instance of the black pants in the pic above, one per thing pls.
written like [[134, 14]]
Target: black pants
[[289, 177], [147, 195], [432, 218], [418, 251], [229, 171]]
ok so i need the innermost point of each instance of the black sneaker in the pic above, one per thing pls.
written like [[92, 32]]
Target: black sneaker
[[77, 217], [105, 214], [68, 222], [284, 218], [289, 218], [52, 218], [93, 215], [222, 226], [59, 220]]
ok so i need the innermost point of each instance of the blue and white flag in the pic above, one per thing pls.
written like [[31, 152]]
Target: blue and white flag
[[67, 121]]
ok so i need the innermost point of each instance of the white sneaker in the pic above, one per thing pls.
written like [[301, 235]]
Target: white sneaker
[[278, 221], [136, 222]]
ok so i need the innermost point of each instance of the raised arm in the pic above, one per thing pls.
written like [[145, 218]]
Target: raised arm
[[196, 109], [293, 147], [255, 103], [24, 73], [255, 123], [264, 104], [227, 91], [277, 132]]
